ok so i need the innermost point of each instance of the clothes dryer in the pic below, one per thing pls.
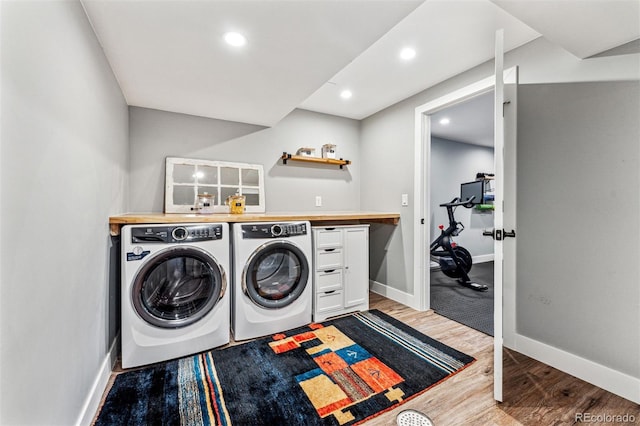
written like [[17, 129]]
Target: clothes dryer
[[174, 290], [272, 281]]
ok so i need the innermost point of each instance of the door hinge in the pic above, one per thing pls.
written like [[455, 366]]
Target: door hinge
[[503, 105]]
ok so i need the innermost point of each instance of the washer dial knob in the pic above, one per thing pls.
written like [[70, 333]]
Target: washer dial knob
[[180, 233], [276, 230]]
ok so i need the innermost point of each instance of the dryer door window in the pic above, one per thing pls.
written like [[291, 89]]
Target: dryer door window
[[177, 287], [275, 275]]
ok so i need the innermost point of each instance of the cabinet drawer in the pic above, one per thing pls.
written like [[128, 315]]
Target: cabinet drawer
[[327, 237], [328, 259], [328, 280], [331, 301]]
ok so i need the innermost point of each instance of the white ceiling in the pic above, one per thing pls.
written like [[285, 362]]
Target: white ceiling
[[470, 121], [169, 55], [448, 36]]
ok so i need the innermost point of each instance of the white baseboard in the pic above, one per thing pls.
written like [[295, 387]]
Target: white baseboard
[[92, 402], [621, 384], [483, 258], [394, 294]]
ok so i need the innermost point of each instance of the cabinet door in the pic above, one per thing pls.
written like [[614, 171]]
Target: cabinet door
[[356, 269]]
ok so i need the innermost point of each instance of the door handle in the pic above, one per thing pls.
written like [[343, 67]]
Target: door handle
[[499, 234]]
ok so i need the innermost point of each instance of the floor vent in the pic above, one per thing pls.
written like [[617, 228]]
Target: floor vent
[[413, 418]]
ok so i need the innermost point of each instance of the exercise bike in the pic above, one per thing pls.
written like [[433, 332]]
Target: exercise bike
[[455, 261]]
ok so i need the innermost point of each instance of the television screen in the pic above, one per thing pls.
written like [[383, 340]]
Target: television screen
[[472, 189]]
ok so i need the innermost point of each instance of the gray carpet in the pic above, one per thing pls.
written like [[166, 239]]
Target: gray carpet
[[464, 305]]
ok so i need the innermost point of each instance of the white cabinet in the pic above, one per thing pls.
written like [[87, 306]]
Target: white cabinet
[[341, 270]]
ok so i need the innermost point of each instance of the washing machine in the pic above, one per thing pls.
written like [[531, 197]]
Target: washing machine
[[272, 289], [175, 300]]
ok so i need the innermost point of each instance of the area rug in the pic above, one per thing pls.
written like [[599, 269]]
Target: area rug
[[462, 304], [338, 372]]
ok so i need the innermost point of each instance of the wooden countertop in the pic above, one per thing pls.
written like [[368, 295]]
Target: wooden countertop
[[320, 218]]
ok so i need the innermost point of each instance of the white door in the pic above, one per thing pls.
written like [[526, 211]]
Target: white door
[[497, 217], [505, 211]]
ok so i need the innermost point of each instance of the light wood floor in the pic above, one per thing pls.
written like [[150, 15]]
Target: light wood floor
[[533, 393]]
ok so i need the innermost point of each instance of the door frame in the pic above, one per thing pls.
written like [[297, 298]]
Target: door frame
[[422, 184]]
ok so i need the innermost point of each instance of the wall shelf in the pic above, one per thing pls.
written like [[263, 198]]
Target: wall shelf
[[338, 162]]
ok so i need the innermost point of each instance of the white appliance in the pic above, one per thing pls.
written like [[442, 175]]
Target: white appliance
[[272, 289], [175, 300]]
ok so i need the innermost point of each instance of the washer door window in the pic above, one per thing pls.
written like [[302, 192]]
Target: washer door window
[[178, 287], [275, 274]]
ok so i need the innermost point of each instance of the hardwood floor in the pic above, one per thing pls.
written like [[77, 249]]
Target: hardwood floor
[[534, 393]]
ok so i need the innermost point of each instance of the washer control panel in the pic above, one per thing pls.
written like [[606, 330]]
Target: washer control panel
[[273, 230], [176, 234]]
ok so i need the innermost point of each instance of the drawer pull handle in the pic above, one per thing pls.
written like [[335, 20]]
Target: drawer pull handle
[[328, 271], [329, 229], [329, 292], [330, 249]]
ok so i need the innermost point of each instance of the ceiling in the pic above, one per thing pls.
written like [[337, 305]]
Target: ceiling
[[169, 55], [470, 121]]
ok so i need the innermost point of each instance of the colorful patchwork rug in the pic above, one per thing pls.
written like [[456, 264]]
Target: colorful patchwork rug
[[339, 372]]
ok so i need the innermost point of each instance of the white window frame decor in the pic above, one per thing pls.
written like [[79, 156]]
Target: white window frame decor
[[213, 184]]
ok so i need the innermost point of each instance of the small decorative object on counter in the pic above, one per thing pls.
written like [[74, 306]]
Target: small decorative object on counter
[[236, 203], [328, 151], [204, 203], [306, 152]]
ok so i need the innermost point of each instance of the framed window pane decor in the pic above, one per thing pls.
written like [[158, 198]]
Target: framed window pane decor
[[186, 178]]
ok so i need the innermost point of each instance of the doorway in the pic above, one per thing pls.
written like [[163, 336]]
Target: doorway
[[461, 147]]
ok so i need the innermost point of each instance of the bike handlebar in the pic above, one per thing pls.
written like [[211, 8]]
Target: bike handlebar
[[458, 202]]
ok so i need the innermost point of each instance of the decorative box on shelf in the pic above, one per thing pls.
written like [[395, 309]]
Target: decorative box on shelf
[[306, 152], [328, 151]]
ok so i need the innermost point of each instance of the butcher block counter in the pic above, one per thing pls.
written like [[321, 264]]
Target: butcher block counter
[[320, 218]]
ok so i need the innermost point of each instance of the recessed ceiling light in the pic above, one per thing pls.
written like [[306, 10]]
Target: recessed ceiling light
[[445, 121], [235, 39], [346, 94], [408, 53]]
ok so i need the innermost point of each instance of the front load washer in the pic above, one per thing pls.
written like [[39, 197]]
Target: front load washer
[[272, 278], [175, 300]]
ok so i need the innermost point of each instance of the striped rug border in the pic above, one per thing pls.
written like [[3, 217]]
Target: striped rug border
[[428, 353]]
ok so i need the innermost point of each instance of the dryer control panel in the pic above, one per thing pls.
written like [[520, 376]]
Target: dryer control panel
[[176, 234], [273, 230]]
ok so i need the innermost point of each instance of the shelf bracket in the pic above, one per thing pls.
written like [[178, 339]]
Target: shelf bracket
[[285, 156]]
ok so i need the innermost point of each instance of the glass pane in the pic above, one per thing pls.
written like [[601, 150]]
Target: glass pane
[[250, 177], [179, 288], [213, 190], [184, 195], [207, 175], [225, 192], [229, 176], [184, 173], [252, 200], [276, 274]]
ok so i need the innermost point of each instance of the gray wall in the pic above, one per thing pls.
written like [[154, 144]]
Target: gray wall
[[579, 220], [453, 163], [63, 171], [155, 135]]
